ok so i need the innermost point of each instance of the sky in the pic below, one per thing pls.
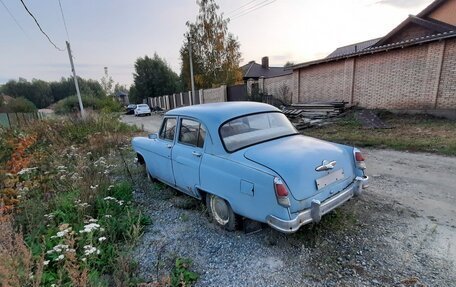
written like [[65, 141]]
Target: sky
[[114, 33]]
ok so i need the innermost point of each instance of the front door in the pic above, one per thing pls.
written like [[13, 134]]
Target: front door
[[163, 166], [187, 155]]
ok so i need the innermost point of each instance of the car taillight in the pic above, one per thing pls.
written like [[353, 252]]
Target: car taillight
[[359, 156], [281, 192], [359, 159]]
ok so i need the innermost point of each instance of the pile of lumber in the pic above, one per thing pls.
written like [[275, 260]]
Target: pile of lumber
[[314, 114]]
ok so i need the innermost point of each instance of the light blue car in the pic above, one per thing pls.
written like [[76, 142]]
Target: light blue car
[[246, 159]]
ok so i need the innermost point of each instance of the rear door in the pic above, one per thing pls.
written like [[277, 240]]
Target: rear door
[[165, 142], [187, 154]]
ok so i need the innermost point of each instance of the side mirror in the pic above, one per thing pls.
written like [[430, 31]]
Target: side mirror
[[153, 136]]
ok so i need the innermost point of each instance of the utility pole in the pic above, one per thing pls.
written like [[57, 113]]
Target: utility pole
[[81, 107], [191, 65]]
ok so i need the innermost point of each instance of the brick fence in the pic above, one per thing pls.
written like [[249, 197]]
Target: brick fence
[[416, 77]]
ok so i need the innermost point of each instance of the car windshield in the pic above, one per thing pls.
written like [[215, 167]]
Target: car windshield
[[252, 129]]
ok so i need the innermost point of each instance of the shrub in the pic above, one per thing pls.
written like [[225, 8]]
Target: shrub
[[71, 104], [18, 105]]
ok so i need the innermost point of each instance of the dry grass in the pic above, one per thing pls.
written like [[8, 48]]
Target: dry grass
[[408, 132]]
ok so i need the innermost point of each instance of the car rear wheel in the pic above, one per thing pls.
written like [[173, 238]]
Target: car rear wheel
[[220, 210]]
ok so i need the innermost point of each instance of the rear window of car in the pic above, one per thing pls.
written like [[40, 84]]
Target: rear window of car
[[143, 106], [252, 129]]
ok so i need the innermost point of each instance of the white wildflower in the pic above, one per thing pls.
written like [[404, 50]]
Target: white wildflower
[[90, 227], [46, 262], [84, 259], [93, 220], [89, 153], [26, 170], [108, 215], [110, 187], [89, 249], [61, 256], [101, 239], [94, 186]]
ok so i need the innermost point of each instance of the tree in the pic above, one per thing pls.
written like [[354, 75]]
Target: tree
[[153, 78], [107, 83], [215, 51], [288, 64]]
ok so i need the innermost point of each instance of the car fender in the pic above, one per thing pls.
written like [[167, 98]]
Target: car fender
[[249, 191]]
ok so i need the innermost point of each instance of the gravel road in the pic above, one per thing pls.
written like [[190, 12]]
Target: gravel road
[[400, 232]]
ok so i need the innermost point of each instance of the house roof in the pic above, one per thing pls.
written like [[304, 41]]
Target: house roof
[[254, 70], [431, 8], [386, 47], [429, 24], [436, 30], [353, 48]]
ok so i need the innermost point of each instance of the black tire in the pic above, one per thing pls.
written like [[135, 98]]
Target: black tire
[[221, 212]]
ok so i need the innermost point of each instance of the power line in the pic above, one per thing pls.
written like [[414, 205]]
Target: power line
[[246, 4], [38, 24], [251, 9], [64, 22], [12, 16]]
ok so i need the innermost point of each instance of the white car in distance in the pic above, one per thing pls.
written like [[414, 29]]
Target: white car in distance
[[142, 109]]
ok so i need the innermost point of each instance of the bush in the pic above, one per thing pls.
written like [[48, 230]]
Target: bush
[[71, 104], [18, 105]]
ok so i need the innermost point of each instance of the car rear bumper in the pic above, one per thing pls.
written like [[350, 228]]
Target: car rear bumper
[[318, 209]]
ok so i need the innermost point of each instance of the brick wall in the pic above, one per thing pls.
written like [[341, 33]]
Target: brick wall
[[280, 87], [417, 77], [325, 82], [446, 95]]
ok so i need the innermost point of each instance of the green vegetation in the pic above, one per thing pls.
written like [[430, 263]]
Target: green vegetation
[[181, 275], [42, 93], [421, 133], [66, 204], [17, 105], [71, 104], [152, 78], [216, 52]]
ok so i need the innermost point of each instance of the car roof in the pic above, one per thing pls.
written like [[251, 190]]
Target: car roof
[[215, 114]]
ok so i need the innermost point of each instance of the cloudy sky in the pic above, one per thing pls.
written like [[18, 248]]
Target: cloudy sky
[[114, 33]]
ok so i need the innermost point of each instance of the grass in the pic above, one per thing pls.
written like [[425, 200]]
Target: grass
[[66, 204], [419, 133]]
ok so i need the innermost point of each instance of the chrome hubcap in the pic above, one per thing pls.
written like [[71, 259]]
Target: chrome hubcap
[[219, 210]]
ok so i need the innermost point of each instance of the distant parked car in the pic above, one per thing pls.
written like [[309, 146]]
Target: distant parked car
[[130, 109], [246, 159], [142, 109]]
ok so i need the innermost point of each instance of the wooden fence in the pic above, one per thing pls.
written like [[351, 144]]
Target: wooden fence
[[13, 120]]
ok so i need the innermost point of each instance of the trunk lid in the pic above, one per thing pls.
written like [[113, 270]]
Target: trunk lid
[[295, 159]]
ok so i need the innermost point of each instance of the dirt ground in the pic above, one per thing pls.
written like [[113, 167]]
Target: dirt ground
[[400, 232]]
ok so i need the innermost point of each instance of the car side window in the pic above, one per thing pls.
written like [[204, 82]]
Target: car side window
[[192, 133], [168, 129]]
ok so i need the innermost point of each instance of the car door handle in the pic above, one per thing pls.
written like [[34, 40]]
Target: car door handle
[[169, 145], [195, 153]]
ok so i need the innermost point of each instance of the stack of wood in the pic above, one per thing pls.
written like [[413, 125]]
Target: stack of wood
[[314, 114]]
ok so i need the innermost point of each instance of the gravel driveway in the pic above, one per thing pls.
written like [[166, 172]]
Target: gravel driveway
[[400, 232]]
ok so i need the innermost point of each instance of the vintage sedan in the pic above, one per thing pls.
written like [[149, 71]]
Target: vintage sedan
[[246, 160]]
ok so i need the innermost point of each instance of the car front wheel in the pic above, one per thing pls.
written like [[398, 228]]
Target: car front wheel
[[220, 210]]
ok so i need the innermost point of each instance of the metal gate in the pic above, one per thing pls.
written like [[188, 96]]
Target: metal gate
[[237, 93]]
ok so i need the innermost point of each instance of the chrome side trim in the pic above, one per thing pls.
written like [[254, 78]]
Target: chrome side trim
[[318, 209]]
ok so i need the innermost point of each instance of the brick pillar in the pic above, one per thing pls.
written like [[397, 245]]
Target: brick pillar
[[349, 77], [201, 96], [434, 61], [224, 93], [296, 80]]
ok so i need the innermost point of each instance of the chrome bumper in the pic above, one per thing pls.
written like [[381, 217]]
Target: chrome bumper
[[318, 209]]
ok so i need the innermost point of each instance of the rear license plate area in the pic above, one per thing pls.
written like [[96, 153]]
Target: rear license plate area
[[328, 179]]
